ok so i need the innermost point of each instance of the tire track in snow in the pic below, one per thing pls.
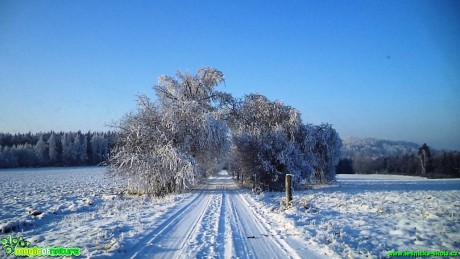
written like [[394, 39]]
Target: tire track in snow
[[268, 232], [213, 234], [204, 239], [187, 247], [237, 235], [221, 229], [259, 244], [225, 228], [151, 244]]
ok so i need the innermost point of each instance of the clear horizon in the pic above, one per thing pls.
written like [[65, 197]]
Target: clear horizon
[[381, 69]]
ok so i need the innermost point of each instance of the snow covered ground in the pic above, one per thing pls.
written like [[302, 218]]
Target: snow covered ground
[[82, 208], [363, 215]]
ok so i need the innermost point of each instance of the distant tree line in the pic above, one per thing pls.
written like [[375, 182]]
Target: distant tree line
[[424, 163], [54, 149]]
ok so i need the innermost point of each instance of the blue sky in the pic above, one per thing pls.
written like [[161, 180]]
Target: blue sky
[[384, 69]]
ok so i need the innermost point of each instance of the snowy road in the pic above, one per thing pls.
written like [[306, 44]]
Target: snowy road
[[218, 222]]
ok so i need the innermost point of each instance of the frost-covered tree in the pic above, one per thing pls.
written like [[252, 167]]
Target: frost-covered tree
[[270, 140], [67, 149], [99, 148], [84, 151], [79, 150], [256, 113], [264, 138], [41, 152], [25, 155], [53, 152], [6, 158], [76, 148], [2, 157], [170, 144], [10, 157], [48, 151], [326, 148]]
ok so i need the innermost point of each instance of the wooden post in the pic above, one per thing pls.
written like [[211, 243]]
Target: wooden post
[[288, 189]]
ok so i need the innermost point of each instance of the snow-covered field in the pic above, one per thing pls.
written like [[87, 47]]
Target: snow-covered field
[[363, 215], [80, 208]]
